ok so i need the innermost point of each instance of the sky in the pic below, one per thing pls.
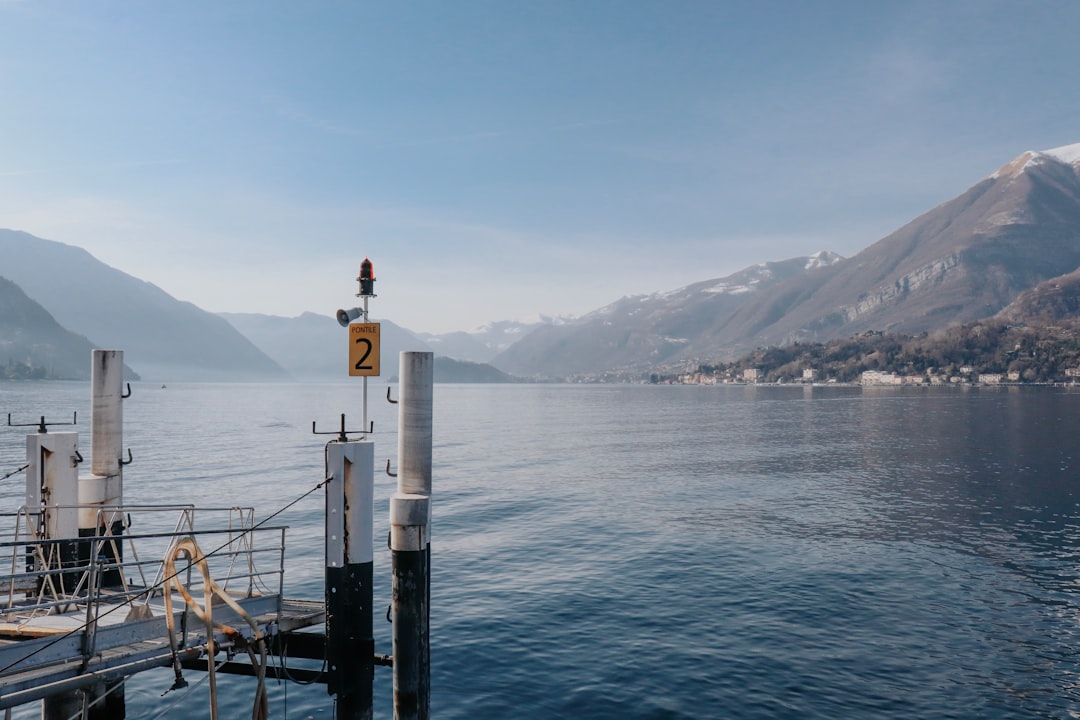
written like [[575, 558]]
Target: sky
[[506, 160]]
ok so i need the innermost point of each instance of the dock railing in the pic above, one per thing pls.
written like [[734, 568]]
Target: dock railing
[[41, 576]]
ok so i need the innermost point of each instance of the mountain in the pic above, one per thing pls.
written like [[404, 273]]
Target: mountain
[[458, 345], [646, 330], [449, 370], [487, 341], [162, 338], [962, 261], [1052, 302], [32, 343], [316, 347]]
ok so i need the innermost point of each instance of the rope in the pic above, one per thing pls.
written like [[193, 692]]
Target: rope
[[14, 472], [162, 583], [190, 548]]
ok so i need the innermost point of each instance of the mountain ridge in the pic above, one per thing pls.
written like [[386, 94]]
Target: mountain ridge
[[162, 337], [961, 261]]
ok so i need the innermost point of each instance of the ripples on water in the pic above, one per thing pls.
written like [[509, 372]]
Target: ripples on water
[[667, 552]]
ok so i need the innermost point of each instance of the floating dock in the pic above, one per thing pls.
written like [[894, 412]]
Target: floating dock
[[85, 603]]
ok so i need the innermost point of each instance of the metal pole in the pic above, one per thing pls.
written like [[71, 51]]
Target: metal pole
[[410, 539], [365, 420], [350, 643]]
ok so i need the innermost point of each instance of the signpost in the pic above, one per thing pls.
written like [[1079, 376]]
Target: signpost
[[364, 349], [350, 644]]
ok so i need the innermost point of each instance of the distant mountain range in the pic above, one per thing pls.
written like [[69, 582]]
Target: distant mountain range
[[162, 337], [315, 347], [648, 330], [964, 260], [486, 342], [48, 287]]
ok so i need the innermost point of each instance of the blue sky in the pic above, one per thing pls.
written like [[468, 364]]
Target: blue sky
[[500, 160]]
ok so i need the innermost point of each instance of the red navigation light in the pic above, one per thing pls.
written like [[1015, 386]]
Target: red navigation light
[[367, 278]]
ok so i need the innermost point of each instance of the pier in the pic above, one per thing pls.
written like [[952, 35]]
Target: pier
[[86, 603]]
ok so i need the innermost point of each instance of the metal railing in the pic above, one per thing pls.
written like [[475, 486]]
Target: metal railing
[[48, 576]]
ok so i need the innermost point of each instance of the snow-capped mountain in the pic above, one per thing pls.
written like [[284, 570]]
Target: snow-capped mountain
[[644, 330], [485, 342], [964, 260]]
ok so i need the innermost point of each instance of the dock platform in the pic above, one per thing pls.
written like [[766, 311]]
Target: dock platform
[[60, 631]]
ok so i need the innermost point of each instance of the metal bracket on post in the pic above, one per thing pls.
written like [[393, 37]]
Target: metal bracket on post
[[342, 433]]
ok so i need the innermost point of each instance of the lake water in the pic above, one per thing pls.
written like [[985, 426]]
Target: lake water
[[667, 552]]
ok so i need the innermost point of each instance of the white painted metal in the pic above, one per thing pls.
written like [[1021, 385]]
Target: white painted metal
[[52, 481], [350, 504]]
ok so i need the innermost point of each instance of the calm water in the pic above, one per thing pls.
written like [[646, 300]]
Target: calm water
[[670, 552]]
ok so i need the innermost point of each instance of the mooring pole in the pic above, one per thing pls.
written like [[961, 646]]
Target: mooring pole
[[350, 642], [410, 539], [101, 489], [104, 488]]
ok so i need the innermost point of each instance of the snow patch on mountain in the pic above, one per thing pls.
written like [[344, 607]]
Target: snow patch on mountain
[[822, 258], [1067, 154], [721, 288]]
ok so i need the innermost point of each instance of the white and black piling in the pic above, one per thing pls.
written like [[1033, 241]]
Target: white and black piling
[[410, 539], [350, 643]]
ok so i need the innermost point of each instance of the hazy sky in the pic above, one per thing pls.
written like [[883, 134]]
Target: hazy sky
[[500, 160]]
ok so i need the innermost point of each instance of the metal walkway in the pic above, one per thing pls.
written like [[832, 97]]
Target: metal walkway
[[54, 639]]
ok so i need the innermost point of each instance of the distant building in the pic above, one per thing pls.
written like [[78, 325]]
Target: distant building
[[751, 375], [809, 374], [876, 377], [1014, 376], [1072, 372], [990, 378]]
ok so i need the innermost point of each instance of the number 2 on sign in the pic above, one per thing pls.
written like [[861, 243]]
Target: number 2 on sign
[[364, 349], [363, 358]]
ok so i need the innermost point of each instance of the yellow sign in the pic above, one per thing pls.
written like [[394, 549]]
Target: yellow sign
[[364, 349]]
